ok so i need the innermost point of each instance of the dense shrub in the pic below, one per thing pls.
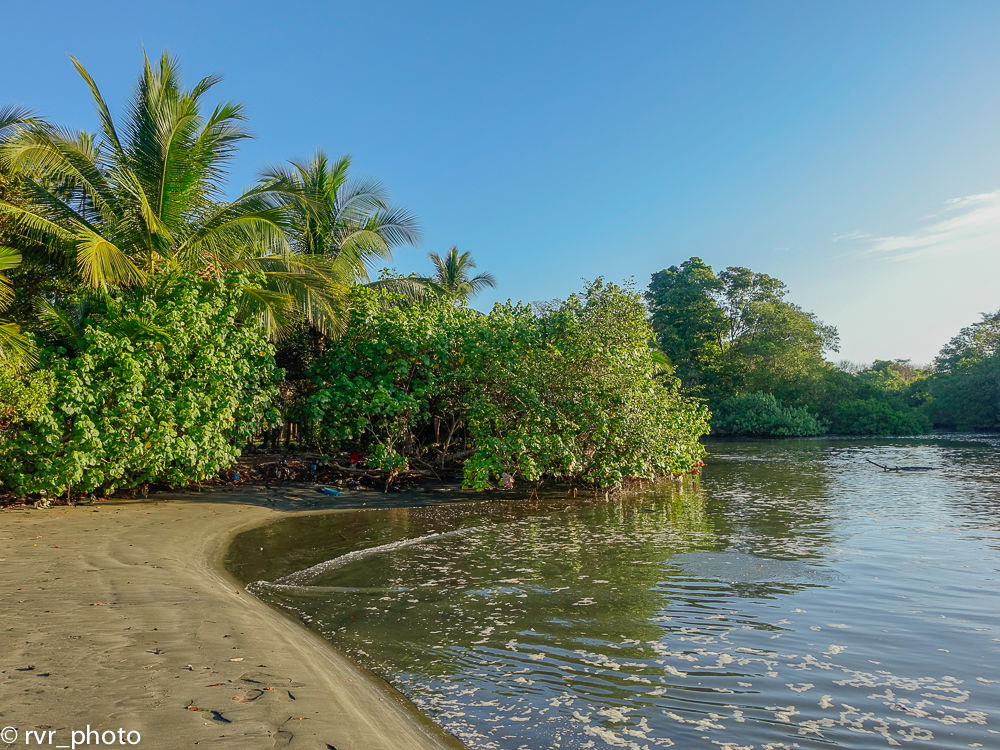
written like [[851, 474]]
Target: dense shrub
[[570, 392], [762, 415], [967, 397], [23, 396], [391, 384], [164, 390], [576, 392], [965, 388], [874, 416]]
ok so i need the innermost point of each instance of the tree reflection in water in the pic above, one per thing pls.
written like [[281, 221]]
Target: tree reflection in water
[[790, 599]]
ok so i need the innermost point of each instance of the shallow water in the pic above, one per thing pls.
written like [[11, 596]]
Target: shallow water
[[795, 597]]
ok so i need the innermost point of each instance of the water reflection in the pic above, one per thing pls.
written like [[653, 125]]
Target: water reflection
[[795, 598]]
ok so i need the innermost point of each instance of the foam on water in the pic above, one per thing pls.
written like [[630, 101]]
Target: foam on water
[[257, 587], [301, 577]]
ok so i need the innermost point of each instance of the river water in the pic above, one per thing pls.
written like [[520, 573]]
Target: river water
[[794, 597]]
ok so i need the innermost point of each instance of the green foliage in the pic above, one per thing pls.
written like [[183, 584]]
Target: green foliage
[[897, 375], [388, 460], [965, 388], [883, 399], [395, 362], [17, 351], [972, 345], [877, 416], [758, 359], [967, 398], [688, 320], [574, 392], [734, 332], [343, 225], [762, 415], [23, 396], [162, 388], [144, 196]]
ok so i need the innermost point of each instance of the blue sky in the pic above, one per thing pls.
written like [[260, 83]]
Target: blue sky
[[849, 148]]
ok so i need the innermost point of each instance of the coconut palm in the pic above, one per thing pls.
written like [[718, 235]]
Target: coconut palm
[[350, 223], [334, 216], [15, 348], [12, 119], [452, 276], [144, 197]]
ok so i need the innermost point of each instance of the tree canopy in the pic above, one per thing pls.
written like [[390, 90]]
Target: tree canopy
[[146, 196], [734, 333], [965, 388]]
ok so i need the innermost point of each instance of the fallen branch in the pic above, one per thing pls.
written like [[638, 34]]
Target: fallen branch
[[354, 470], [379, 473], [883, 467]]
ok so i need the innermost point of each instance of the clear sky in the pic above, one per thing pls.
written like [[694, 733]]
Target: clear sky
[[849, 148]]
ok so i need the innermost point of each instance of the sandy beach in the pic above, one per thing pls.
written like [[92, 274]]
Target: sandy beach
[[119, 616]]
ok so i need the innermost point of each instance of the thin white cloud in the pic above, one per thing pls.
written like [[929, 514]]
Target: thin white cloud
[[851, 236], [968, 224]]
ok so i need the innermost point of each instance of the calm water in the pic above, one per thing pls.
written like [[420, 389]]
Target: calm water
[[796, 597]]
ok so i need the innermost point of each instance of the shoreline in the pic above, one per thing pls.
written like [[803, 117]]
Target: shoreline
[[122, 616]]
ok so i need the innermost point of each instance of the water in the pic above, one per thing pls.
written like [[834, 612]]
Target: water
[[796, 597]]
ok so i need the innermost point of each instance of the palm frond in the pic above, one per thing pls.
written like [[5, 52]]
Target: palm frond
[[254, 224], [9, 258], [35, 226], [57, 323], [397, 226], [63, 166], [16, 350], [360, 250], [103, 263], [144, 197], [482, 281], [103, 113], [410, 288], [12, 117], [274, 311]]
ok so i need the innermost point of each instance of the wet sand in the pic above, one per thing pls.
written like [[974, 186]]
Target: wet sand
[[121, 616]]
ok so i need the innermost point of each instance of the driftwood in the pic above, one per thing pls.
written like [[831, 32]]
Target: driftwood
[[883, 467], [356, 470], [378, 472]]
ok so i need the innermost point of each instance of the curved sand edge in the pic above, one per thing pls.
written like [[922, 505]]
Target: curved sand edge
[[128, 618]]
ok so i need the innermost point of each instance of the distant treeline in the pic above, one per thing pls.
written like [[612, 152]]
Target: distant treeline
[[759, 362]]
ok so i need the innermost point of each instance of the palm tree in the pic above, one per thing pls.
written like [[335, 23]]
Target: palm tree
[[452, 276], [15, 348], [334, 216], [349, 223], [144, 197]]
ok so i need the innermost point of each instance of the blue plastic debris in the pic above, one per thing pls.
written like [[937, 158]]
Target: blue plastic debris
[[329, 491]]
